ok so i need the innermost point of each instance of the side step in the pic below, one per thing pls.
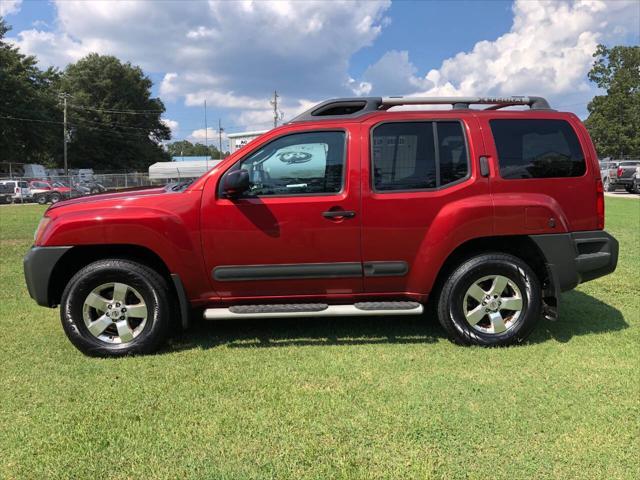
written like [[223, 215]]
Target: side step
[[314, 310]]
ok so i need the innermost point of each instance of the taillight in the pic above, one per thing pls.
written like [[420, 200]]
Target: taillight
[[17, 190], [620, 172], [600, 203]]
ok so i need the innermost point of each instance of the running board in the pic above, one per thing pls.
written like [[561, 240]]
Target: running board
[[365, 309]]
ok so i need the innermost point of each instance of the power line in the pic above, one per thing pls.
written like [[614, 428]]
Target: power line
[[108, 110]]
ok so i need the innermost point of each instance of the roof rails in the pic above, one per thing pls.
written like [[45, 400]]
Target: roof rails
[[341, 108]]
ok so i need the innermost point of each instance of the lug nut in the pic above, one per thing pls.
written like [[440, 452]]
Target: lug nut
[[122, 317], [109, 306], [118, 304], [123, 310]]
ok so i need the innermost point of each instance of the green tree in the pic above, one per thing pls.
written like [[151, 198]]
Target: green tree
[[30, 129], [614, 118], [115, 122], [188, 149]]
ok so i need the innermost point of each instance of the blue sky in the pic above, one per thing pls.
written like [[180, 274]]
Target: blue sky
[[234, 54]]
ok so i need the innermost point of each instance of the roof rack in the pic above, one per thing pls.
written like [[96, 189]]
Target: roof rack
[[340, 108]]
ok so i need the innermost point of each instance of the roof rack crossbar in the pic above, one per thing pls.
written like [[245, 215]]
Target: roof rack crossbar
[[341, 108], [536, 103]]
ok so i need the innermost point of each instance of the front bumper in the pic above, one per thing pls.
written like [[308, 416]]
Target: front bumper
[[574, 258], [39, 263]]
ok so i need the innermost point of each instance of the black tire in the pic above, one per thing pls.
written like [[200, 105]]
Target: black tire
[[55, 197], [150, 285], [41, 199], [452, 299]]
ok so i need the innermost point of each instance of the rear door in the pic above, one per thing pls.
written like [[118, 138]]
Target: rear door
[[416, 168], [546, 157]]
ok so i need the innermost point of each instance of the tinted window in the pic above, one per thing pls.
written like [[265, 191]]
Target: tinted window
[[537, 149], [302, 163], [407, 156], [452, 152]]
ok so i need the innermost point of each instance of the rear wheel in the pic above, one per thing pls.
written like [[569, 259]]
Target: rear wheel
[[55, 197], [41, 199], [492, 299], [114, 307]]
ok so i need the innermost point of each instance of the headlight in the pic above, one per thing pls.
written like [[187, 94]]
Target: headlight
[[42, 226]]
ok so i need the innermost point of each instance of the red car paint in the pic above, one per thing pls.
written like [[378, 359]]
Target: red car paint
[[195, 230]]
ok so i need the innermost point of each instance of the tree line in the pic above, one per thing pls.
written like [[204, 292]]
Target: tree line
[[114, 123]]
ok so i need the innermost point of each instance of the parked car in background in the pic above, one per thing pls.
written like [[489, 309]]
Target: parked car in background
[[635, 186], [623, 174], [20, 188], [605, 168], [89, 188], [45, 192], [6, 193], [348, 209]]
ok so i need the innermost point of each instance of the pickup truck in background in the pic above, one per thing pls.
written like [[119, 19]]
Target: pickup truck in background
[[49, 192], [623, 174]]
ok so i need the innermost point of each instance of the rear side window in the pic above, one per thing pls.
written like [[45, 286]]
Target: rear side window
[[418, 155], [537, 149]]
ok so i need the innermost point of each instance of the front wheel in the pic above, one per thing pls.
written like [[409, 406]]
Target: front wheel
[[491, 300], [114, 307], [41, 199]]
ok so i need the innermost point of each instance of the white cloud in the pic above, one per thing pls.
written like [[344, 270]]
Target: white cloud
[[249, 47], [9, 7], [51, 48], [548, 52], [173, 125], [392, 74], [208, 136]]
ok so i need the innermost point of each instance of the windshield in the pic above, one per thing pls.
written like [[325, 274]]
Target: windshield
[[178, 186]]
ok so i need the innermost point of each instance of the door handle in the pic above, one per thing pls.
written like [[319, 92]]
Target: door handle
[[337, 214]]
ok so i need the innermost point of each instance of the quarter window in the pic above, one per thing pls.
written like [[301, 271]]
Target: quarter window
[[300, 163], [418, 155], [537, 149]]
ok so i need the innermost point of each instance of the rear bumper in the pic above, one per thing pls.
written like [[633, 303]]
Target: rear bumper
[[39, 263], [623, 182], [574, 258]]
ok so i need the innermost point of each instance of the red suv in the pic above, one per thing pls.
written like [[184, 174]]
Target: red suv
[[349, 209]]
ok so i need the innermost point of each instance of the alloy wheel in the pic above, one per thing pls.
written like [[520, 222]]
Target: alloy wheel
[[115, 313], [493, 304]]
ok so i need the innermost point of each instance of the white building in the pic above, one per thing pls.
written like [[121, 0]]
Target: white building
[[180, 170], [239, 140]]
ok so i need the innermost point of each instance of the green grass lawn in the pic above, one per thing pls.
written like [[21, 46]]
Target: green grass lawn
[[327, 398]]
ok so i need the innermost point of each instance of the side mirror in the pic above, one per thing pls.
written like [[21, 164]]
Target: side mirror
[[236, 183]]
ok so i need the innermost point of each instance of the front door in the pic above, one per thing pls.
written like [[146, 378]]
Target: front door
[[296, 232]]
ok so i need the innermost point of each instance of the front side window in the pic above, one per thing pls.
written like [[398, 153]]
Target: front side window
[[418, 155], [537, 149], [297, 164]]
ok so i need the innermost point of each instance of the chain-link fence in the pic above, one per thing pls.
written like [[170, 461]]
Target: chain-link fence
[[53, 188]]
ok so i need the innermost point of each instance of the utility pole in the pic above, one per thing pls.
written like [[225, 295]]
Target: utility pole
[[65, 133], [206, 133], [220, 130], [277, 114]]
